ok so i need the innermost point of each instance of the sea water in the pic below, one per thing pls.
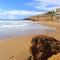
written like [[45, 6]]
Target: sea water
[[22, 27]]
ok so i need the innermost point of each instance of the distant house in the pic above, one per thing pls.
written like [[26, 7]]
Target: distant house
[[58, 14]]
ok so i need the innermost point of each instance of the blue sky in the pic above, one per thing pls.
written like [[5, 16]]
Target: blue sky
[[18, 9]]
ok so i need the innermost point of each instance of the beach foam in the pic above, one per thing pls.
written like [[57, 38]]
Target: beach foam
[[11, 28]]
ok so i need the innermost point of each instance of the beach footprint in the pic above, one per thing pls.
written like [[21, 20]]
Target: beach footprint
[[12, 58]]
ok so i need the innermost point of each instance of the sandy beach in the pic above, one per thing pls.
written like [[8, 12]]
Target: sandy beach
[[56, 25], [17, 48]]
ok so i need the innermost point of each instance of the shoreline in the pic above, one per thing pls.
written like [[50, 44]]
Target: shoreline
[[25, 35], [10, 32], [19, 46]]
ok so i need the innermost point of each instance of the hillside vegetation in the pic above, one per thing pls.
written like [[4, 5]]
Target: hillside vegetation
[[48, 16]]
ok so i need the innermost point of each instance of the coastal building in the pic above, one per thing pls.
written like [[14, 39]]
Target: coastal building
[[58, 14]]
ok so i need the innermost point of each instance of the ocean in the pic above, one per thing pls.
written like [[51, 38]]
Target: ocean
[[22, 27]]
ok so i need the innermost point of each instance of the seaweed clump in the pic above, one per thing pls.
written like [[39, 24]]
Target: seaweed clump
[[43, 47]]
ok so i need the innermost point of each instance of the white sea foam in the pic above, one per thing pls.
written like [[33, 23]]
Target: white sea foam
[[8, 28]]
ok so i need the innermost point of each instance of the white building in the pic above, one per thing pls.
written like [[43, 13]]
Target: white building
[[58, 14]]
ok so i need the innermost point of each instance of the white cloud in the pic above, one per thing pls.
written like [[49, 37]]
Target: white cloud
[[44, 4], [50, 1], [14, 13], [19, 12], [38, 4], [29, 4]]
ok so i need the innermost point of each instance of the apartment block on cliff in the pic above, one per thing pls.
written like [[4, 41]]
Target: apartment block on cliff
[[58, 14]]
